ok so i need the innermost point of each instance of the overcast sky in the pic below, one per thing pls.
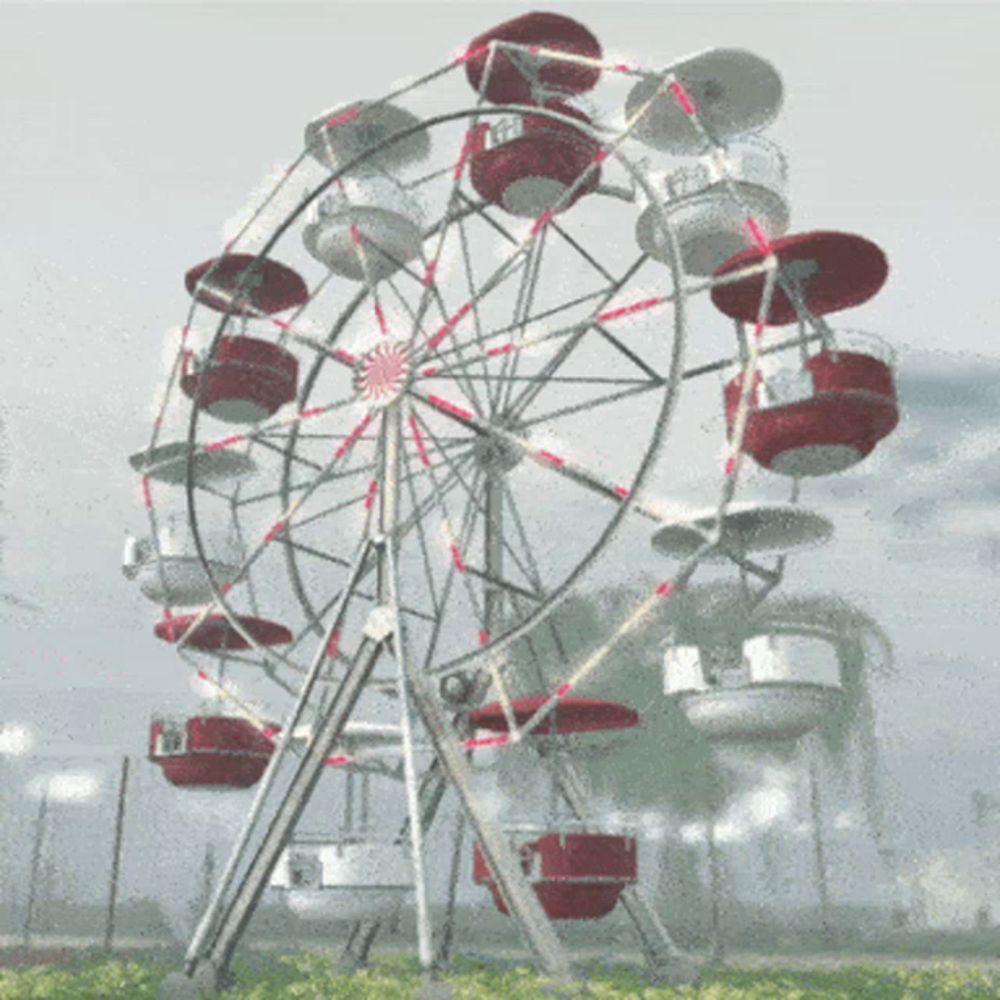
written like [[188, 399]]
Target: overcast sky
[[132, 131]]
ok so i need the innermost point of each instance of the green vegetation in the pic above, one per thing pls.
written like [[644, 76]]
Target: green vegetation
[[312, 977]]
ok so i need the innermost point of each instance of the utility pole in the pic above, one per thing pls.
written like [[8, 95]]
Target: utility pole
[[36, 857], [116, 856]]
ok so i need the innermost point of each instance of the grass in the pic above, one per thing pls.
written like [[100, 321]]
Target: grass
[[313, 977]]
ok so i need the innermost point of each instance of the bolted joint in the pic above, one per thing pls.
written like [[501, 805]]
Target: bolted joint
[[381, 623]]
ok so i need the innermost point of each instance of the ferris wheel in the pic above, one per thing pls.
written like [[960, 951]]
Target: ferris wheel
[[415, 398]]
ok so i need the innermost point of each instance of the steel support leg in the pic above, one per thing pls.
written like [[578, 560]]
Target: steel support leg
[[216, 953], [517, 892]]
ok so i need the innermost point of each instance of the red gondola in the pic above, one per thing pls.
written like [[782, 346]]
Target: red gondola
[[246, 381], [209, 751], [572, 714], [508, 83], [215, 632], [831, 271], [524, 164], [852, 406], [245, 285], [576, 876]]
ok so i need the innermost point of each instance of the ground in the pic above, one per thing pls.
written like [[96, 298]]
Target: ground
[[308, 976]]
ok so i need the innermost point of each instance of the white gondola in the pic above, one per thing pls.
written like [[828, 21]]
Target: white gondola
[[747, 529], [350, 876], [709, 217], [350, 879], [169, 571], [340, 135], [365, 229], [732, 91], [168, 463], [775, 689]]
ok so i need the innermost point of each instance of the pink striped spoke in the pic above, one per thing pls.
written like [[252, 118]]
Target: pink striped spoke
[[419, 440], [682, 97], [147, 494], [452, 408], [224, 442], [456, 557], [276, 529], [550, 459], [380, 319], [632, 308], [469, 54], [370, 494], [757, 235], [663, 591], [348, 443], [333, 645], [449, 325], [541, 222]]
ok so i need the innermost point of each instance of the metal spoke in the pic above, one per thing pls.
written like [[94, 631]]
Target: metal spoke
[[557, 379], [530, 321], [591, 404], [528, 396], [282, 490], [572, 471], [465, 532], [421, 534], [405, 526], [480, 504], [628, 352], [512, 359]]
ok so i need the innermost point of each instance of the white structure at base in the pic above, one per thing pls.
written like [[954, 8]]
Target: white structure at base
[[343, 880]]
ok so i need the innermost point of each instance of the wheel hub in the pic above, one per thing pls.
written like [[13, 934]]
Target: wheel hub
[[383, 372], [495, 453]]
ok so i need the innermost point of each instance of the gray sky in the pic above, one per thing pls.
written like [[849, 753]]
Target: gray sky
[[132, 131]]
